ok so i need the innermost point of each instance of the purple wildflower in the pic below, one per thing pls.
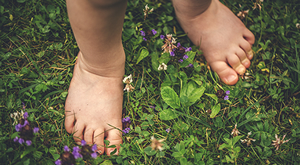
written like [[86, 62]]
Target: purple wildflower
[[178, 44], [126, 120], [142, 33], [35, 129], [153, 32], [94, 155], [76, 153], [190, 65], [25, 123], [172, 54], [21, 141], [162, 37], [16, 139], [18, 127], [28, 142], [126, 130], [23, 105], [76, 149], [152, 106], [185, 57], [180, 60], [66, 149], [168, 130], [226, 97], [25, 115], [58, 162], [144, 39], [188, 49], [227, 92], [83, 142], [94, 148]]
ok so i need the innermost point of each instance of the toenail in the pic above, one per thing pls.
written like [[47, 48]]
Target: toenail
[[245, 62], [250, 53], [231, 78]]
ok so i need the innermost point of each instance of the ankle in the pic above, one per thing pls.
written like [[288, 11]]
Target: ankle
[[111, 68], [191, 8]]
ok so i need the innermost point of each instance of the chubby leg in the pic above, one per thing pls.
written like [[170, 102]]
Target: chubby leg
[[94, 103], [223, 38]]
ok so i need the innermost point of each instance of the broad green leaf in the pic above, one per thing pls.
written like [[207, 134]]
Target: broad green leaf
[[26, 162], [167, 114], [170, 97], [213, 96], [37, 154], [165, 58], [192, 91], [154, 61], [144, 53], [215, 110], [107, 162], [148, 150], [236, 139]]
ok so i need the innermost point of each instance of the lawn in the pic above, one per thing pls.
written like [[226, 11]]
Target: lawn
[[178, 115]]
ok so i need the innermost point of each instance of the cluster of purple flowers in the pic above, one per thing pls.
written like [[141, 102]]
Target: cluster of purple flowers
[[178, 51], [224, 95], [85, 152], [148, 34], [26, 132], [126, 121]]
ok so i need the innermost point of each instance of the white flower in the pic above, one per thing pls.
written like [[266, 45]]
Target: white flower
[[235, 132], [147, 11], [128, 88], [162, 66], [248, 140], [17, 116], [298, 25], [128, 79], [156, 144]]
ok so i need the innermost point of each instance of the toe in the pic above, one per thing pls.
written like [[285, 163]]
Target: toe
[[248, 35], [69, 123], [243, 57], [226, 73], [246, 46], [89, 135], [78, 132], [99, 140], [114, 136], [235, 63]]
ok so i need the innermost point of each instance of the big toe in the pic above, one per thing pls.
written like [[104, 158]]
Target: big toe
[[226, 73], [114, 136]]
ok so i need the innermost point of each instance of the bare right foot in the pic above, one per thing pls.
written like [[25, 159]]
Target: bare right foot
[[223, 38], [94, 106]]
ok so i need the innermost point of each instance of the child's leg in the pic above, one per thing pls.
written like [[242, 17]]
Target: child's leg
[[223, 38], [95, 95]]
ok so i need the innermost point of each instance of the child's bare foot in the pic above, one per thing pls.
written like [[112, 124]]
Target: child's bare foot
[[223, 38], [94, 106]]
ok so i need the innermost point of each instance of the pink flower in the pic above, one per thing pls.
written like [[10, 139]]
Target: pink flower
[[277, 142]]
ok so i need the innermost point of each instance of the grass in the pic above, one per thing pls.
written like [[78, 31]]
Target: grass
[[38, 52]]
